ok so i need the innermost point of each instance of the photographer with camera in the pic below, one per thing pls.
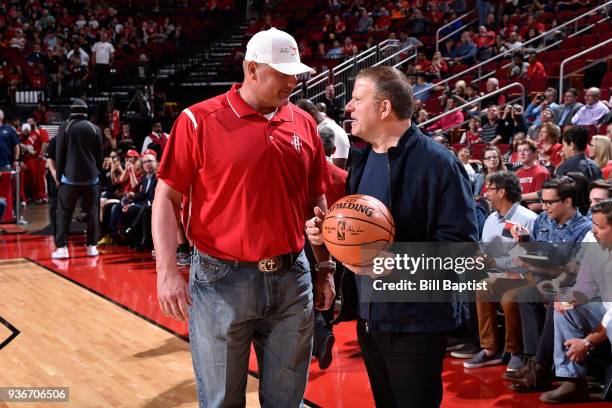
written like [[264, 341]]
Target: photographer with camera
[[511, 123], [539, 103]]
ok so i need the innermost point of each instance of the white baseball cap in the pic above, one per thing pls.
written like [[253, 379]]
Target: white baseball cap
[[26, 127], [277, 49]]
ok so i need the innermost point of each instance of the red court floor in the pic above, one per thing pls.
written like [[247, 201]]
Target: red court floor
[[128, 279]]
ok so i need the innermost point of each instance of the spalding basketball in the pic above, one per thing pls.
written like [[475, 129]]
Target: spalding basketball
[[356, 228]]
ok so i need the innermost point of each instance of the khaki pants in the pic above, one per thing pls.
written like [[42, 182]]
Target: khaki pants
[[504, 291]]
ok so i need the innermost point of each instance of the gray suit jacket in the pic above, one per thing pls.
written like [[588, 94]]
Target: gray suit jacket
[[568, 119]]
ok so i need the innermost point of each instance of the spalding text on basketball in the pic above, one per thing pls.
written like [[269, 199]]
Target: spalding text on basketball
[[352, 206]]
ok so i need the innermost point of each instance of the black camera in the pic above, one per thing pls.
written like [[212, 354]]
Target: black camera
[[540, 97]]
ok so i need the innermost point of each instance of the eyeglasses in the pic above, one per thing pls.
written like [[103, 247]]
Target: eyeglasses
[[549, 203], [491, 158]]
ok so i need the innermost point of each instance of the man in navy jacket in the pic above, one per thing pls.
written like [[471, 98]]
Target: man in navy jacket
[[428, 193]]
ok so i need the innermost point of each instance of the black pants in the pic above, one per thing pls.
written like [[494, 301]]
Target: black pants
[[52, 193], [405, 369], [67, 197], [538, 325], [145, 222], [322, 329], [546, 346], [102, 77]]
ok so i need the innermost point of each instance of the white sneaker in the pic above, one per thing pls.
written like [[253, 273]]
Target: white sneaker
[[92, 250], [60, 253]]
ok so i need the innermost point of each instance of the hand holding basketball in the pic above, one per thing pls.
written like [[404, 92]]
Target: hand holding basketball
[[368, 270], [357, 228], [313, 227]]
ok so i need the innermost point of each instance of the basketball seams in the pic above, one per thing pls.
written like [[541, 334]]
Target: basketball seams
[[382, 208], [344, 217]]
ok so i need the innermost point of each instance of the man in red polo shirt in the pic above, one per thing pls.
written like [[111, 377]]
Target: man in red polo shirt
[[532, 174], [250, 162]]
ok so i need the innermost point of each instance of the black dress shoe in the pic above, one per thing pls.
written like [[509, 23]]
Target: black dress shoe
[[325, 356]]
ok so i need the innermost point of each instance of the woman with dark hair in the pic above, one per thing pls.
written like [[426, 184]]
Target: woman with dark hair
[[531, 34], [492, 160]]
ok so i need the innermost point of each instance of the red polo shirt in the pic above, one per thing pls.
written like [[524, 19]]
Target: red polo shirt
[[248, 178], [336, 186]]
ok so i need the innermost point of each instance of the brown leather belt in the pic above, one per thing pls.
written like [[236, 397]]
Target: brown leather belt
[[267, 265]]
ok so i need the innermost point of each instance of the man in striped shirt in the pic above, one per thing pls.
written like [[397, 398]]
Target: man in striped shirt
[[489, 133]]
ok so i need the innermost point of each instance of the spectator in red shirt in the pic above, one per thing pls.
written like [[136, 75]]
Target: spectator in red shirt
[[536, 69], [532, 23], [448, 121], [472, 135], [305, 49], [550, 149], [438, 66], [421, 64], [532, 174], [347, 49], [484, 38], [41, 115], [339, 25], [383, 22], [40, 138], [337, 177], [37, 79]]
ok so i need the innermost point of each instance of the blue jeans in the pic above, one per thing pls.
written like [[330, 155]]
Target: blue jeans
[[234, 306], [483, 10], [575, 324]]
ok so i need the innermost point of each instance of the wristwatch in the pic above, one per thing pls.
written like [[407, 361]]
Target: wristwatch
[[590, 346], [325, 265]]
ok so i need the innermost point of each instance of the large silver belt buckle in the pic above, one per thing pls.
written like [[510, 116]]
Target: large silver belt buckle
[[270, 264]]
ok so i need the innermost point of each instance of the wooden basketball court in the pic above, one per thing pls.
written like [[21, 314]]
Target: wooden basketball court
[[71, 337]]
